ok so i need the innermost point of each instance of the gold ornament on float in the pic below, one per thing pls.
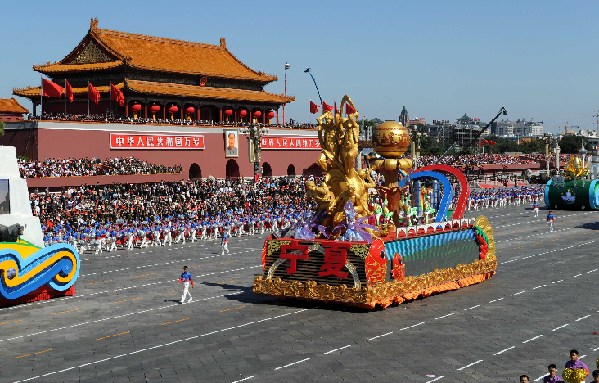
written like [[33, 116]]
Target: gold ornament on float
[[391, 139]]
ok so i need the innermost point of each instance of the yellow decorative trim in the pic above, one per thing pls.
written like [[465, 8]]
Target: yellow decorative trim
[[483, 223], [382, 293], [360, 250], [275, 245]]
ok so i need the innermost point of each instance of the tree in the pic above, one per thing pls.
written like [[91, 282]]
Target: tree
[[570, 144], [1, 128]]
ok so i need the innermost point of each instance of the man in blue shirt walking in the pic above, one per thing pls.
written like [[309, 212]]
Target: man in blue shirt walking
[[186, 280], [550, 220]]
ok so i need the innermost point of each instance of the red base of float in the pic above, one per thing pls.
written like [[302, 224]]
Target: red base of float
[[41, 294]]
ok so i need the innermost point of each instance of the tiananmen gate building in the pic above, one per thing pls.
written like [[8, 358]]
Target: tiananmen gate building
[[150, 83]]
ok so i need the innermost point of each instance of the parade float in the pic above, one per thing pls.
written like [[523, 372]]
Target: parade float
[[572, 189], [28, 270], [367, 245]]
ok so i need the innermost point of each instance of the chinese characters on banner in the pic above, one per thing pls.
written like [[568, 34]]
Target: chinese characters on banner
[[335, 258], [287, 143], [156, 141]]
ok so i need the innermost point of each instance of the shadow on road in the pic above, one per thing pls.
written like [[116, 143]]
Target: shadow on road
[[247, 296], [589, 226]]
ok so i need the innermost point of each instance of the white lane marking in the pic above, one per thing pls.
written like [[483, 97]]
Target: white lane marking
[[66, 369], [531, 339], [472, 308], [119, 316], [119, 356], [577, 275], [135, 352], [50, 373], [417, 324], [559, 327], [100, 361], [581, 318], [26, 380], [434, 380], [382, 335], [469, 365], [445, 316], [541, 377], [244, 379], [592, 271], [504, 350], [520, 292], [291, 364]]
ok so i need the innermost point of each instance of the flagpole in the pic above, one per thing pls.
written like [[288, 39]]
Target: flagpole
[[41, 95], [110, 97]]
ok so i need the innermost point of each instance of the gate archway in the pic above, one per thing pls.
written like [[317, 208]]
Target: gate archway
[[195, 172], [232, 170]]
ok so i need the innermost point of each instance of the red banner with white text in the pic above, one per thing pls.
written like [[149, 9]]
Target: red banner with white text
[[289, 143], [156, 141]]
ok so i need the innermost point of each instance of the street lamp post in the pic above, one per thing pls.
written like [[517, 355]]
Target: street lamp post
[[254, 133], [287, 66], [309, 71]]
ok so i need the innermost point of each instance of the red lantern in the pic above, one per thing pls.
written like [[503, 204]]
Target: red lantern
[[229, 112], [190, 110], [173, 109], [136, 107], [243, 113], [270, 114], [155, 108], [257, 113]]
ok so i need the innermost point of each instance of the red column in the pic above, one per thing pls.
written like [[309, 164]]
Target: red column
[[146, 111], [220, 114], [199, 113], [126, 110], [164, 112]]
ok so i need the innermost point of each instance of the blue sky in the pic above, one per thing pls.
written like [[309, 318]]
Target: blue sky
[[538, 59]]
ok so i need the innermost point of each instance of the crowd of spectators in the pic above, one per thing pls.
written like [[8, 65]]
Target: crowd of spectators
[[207, 203], [112, 118], [482, 159], [71, 167]]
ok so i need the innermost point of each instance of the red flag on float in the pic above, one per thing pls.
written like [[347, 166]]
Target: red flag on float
[[349, 109], [326, 107], [117, 95], [313, 107], [51, 89], [69, 91], [93, 93]]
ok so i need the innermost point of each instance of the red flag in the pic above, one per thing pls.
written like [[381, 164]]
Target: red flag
[[69, 91], [117, 95], [93, 93], [349, 109], [51, 89], [326, 107], [313, 107], [491, 143]]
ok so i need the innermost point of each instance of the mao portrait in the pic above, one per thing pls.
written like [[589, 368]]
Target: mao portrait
[[231, 143]]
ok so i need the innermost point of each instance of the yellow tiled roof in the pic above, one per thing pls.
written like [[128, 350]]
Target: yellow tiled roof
[[162, 54], [179, 90], [61, 68], [10, 105], [35, 91]]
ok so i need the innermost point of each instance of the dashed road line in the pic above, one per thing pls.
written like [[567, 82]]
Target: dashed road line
[[560, 327], [291, 364], [531, 339], [504, 350], [469, 365]]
